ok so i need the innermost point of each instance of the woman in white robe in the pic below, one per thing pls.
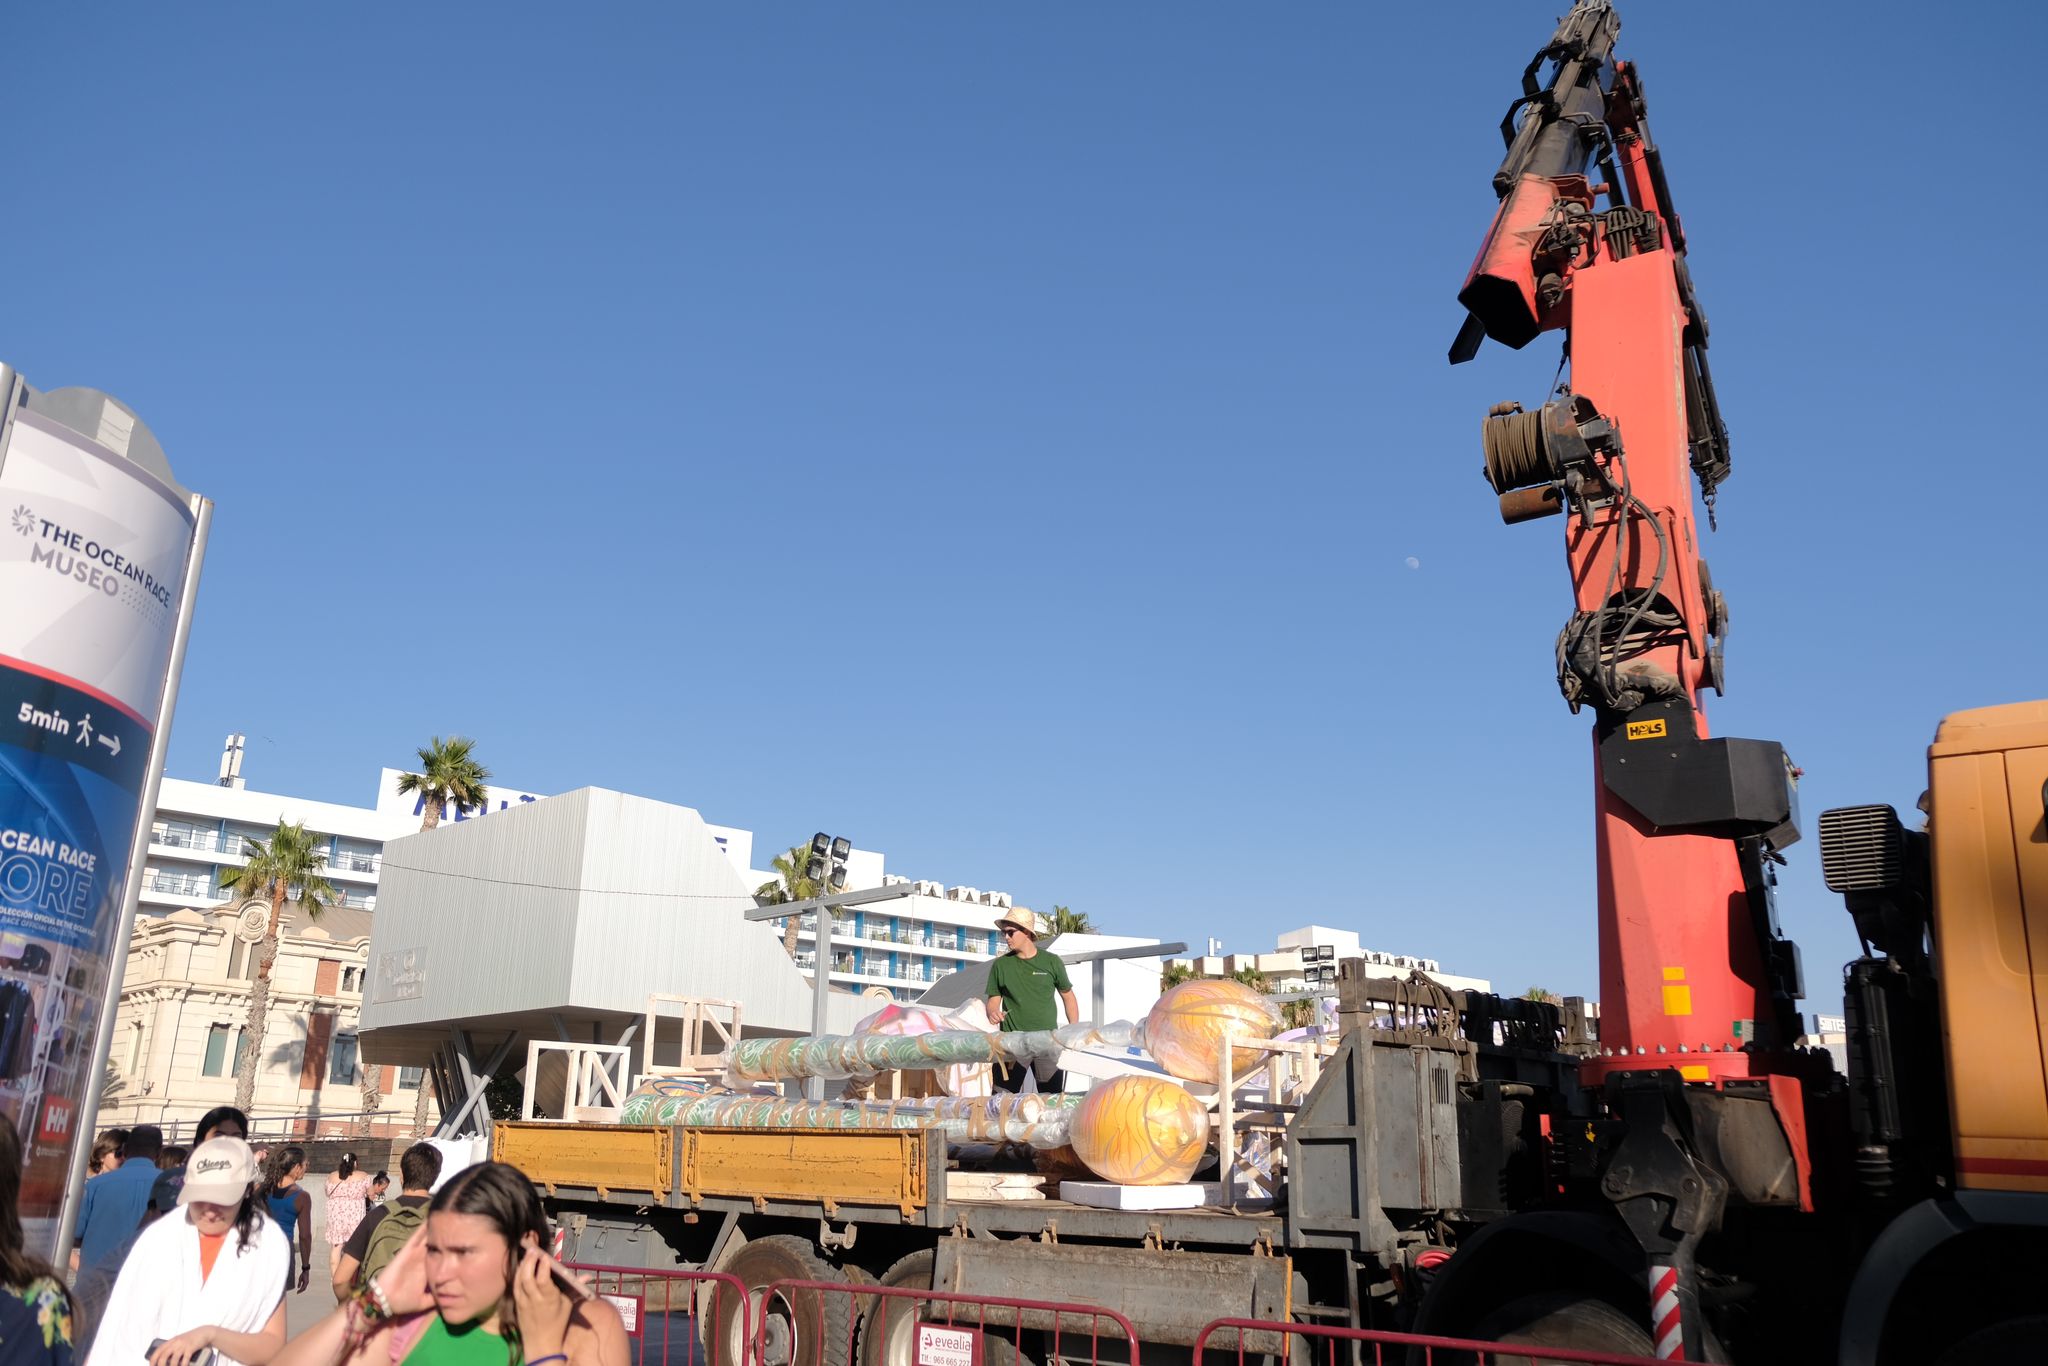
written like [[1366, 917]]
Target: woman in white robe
[[210, 1276]]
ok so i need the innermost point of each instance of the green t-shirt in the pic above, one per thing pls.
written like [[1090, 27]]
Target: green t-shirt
[[465, 1345], [1027, 986]]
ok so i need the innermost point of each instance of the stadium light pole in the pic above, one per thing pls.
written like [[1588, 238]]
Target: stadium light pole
[[827, 863]]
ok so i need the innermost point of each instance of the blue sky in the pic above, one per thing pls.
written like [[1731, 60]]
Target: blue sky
[[1002, 434]]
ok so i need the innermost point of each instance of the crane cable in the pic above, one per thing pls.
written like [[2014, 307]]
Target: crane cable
[[1644, 629]]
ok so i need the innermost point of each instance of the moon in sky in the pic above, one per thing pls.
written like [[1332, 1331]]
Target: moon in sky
[[1413, 563]]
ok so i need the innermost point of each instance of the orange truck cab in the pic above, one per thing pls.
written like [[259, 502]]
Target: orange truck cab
[[1948, 1049]]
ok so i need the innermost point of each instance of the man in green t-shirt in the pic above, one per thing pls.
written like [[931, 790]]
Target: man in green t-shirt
[[1021, 984]]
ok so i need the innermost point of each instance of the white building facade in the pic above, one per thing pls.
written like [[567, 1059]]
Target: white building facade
[[1306, 959], [203, 829], [905, 945], [182, 1027]]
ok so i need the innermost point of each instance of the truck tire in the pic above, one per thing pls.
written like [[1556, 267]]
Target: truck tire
[[2014, 1340], [797, 1328], [1560, 1318], [888, 1329]]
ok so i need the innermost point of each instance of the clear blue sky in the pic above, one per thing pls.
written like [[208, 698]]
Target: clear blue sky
[[1002, 434]]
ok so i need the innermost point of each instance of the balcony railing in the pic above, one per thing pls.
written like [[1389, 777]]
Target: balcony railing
[[183, 886], [240, 846], [203, 841]]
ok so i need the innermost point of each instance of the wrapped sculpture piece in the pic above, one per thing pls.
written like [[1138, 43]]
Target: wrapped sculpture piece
[[903, 1020], [863, 1055], [1184, 1032], [1141, 1131], [1041, 1121]]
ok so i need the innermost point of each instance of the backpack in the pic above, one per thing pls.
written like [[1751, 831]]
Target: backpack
[[392, 1233]]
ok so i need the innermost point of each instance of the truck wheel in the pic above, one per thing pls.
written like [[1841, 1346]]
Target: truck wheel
[[798, 1327], [888, 1330], [2013, 1340], [1562, 1319]]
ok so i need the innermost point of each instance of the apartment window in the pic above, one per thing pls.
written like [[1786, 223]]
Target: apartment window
[[242, 959], [341, 1063], [215, 1063], [351, 980], [409, 1078], [134, 1047]]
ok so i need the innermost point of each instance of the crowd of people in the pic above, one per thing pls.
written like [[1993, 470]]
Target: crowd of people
[[185, 1257]]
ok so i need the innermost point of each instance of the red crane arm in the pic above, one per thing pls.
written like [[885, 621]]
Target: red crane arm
[[1693, 971]]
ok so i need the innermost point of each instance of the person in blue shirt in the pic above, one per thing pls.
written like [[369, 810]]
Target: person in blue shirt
[[115, 1201], [108, 1219]]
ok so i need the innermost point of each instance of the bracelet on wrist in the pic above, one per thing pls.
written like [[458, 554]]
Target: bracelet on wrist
[[372, 1302], [543, 1361]]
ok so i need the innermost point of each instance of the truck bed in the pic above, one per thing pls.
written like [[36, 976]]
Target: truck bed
[[895, 1176]]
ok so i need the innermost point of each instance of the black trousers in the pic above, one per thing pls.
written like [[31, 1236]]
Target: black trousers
[[1010, 1077]]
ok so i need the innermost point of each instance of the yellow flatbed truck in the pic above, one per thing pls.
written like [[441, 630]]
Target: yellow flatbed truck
[[1374, 1147], [1451, 1175]]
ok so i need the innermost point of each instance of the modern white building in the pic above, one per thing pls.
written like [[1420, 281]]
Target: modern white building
[[203, 829], [907, 944], [1306, 959]]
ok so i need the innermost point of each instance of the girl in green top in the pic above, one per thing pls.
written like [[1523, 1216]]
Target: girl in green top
[[474, 1287]]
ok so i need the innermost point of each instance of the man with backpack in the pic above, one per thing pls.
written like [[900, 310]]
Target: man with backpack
[[387, 1228]]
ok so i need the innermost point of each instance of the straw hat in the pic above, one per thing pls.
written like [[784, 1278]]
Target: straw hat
[[1019, 918]]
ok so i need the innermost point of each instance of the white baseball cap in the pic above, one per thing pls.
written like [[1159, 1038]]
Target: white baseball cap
[[218, 1172]]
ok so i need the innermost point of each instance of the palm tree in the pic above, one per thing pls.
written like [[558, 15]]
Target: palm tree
[[1064, 921], [1253, 978], [1176, 973], [1298, 1014], [1539, 994], [792, 883], [286, 864], [448, 772], [373, 1091]]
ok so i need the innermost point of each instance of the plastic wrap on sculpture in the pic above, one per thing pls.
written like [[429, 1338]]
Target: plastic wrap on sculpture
[[863, 1055], [1044, 1122], [1185, 1029], [1141, 1131], [905, 1021], [777, 1112], [1041, 1121], [657, 1099]]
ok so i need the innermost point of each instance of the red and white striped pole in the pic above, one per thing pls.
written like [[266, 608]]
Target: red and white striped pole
[[1667, 1323]]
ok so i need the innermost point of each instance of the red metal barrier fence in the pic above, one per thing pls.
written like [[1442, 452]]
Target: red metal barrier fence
[[1316, 1345], [822, 1323], [702, 1318], [662, 1311]]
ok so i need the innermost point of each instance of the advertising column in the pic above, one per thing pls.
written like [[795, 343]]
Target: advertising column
[[98, 556]]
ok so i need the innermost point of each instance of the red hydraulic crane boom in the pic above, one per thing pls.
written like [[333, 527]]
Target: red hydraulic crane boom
[[1694, 974]]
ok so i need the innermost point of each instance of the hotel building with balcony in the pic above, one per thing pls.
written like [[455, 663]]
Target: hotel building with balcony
[[203, 829]]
